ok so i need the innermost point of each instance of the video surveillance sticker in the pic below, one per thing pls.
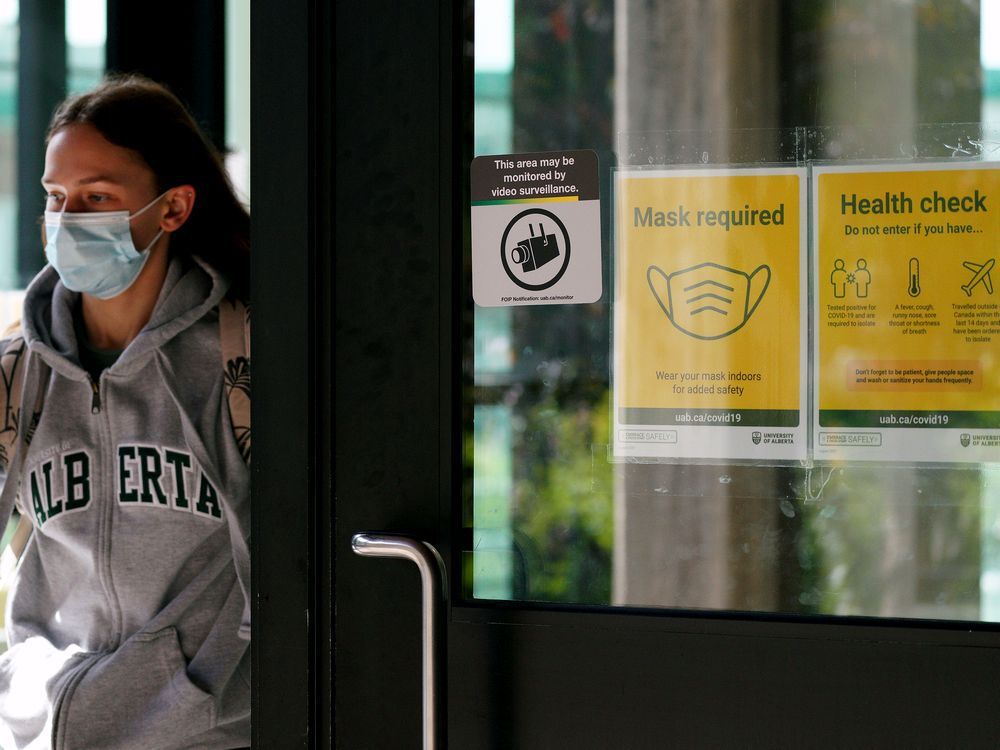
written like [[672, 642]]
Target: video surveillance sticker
[[907, 313], [710, 321], [536, 229]]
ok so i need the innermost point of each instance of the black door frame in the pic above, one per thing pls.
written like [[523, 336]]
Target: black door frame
[[539, 676], [396, 342], [291, 293]]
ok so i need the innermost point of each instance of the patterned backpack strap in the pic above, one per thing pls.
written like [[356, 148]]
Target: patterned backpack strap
[[12, 369], [234, 334], [12, 373]]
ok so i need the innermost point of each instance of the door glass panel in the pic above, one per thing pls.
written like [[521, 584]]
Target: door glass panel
[[552, 517]]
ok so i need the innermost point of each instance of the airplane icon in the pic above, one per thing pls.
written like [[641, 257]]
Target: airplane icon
[[981, 275]]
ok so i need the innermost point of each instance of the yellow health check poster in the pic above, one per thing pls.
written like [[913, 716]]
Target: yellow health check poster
[[907, 314], [710, 315]]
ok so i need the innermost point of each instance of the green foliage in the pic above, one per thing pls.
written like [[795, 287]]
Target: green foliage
[[900, 542], [562, 517]]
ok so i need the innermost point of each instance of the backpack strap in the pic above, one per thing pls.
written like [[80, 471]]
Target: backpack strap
[[13, 369], [234, 335]]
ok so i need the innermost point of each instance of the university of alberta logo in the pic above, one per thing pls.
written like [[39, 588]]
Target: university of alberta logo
[[966, 438], [755, 437]]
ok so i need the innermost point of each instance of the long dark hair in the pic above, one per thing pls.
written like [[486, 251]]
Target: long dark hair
[[138, 114]]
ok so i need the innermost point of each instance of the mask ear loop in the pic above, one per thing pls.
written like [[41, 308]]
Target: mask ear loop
[[149, 205], [189, 194], [152, 242], [145, 208]]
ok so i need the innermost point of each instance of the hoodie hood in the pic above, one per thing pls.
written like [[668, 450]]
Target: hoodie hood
[[190, 290]]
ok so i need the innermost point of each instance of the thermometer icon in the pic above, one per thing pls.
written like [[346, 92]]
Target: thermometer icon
[[914, 285]]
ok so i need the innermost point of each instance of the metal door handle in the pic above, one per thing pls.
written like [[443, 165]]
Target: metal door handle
[[432, 583]]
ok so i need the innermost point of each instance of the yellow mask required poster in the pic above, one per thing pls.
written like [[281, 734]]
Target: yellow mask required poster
[[907, 320], [710, 315]]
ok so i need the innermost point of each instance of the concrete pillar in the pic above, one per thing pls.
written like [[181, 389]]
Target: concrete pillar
[[697, 536]]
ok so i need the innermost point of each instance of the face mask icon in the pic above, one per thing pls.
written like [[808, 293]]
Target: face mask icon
[[534, 252], [708, 301]]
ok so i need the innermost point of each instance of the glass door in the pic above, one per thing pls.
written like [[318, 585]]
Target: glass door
[[684, 587]]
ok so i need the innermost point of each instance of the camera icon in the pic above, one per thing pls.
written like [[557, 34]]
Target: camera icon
[[530, 244], [535, 251]]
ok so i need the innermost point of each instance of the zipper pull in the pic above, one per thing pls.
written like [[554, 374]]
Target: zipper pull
[[95, 401]]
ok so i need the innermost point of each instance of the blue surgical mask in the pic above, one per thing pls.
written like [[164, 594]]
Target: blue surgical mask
[[93, 252]]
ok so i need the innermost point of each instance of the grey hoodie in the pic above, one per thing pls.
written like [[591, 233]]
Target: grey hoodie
[[129, 620]]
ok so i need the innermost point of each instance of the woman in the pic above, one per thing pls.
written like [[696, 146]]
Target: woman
[[129, 620]]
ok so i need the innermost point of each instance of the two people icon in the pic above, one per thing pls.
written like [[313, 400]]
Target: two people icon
[[860, 278]]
